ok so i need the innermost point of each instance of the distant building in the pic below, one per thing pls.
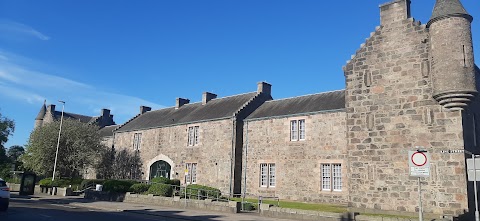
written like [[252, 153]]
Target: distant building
[[48, 114]]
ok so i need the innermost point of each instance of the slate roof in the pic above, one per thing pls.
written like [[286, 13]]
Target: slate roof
[[448, 7], [81, 118], [215, 109], [332, 100], [107, 131]]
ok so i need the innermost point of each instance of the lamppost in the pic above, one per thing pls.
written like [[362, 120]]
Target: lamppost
[[58, 141], [477, 216]]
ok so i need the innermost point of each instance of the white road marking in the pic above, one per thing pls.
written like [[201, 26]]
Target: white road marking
[[66, 206], [45, 216]]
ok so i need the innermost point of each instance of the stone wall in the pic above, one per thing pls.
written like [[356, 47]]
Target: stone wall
[[298, 163], [390, 110], [212, 155]]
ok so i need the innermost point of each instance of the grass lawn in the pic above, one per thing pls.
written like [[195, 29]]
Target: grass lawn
[[298, 205]]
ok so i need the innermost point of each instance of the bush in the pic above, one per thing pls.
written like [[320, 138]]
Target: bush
[[90, 183], [160, 189], [196, 191], [160, 180], [139, 188], [175, 182], [118, 186], [57, 183]]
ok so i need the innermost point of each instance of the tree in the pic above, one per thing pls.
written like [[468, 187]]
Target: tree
[[121, 164], [14, 153], [80, 145], [7, 127]]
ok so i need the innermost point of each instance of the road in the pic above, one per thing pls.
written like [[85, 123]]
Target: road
[[27, 209]]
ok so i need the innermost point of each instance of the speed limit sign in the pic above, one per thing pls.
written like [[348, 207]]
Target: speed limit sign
[[419, 163]]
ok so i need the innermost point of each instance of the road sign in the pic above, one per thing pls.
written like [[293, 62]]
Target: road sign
[[419, 163]]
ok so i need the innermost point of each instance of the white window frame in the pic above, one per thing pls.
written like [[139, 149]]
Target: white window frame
[[137, 141], [193, 135], [331, 177], [293, 130], [191, 175], [301, 129], [267, 175], [297, 130]]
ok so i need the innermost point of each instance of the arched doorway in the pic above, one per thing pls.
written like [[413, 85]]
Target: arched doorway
[[160, 169]]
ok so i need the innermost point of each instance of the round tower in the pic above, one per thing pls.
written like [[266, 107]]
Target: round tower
[[452, 55], [40, 116]]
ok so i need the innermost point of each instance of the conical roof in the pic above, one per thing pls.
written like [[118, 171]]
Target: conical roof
[[42, 112], [445, 8]]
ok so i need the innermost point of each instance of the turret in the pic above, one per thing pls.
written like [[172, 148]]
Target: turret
[[40, 116], [452, 55]]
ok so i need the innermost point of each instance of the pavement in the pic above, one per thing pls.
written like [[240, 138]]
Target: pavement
[[143, 209]]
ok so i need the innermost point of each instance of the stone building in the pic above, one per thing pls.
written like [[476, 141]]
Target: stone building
[[196, 143], [410, 86], [48, 114]]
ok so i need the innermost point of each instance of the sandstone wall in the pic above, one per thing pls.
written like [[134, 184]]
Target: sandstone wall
[[298, 163], [390, 110], [212, 155]]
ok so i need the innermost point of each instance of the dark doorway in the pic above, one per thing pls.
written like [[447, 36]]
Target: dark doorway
[[160, 169]]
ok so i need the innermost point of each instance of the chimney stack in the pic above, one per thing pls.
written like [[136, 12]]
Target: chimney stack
[[394, 11], [51, 108], [264, 87], [105, 113], [207, 96], [181, 102], [144, 109]]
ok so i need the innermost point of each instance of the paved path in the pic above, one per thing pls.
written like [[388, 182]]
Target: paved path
[[55, 207]]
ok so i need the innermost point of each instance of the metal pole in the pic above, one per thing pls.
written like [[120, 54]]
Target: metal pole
[[58, 141], [475, 188], [420, 209]]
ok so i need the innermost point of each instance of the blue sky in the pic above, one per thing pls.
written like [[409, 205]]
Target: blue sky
[[123, 54]]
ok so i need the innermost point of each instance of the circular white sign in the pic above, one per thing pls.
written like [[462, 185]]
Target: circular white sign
[[419, 159]]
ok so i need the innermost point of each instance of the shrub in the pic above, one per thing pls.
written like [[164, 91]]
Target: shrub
[[196, 191], [175, 182], [57, 183], [247, 206], [139, 188], [118, 186], [90, 183], [160, 190], [160, 180]]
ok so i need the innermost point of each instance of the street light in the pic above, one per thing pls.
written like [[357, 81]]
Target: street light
[[58, 141]]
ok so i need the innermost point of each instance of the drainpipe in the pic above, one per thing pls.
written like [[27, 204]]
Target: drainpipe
[[231, 155], [245, 165]]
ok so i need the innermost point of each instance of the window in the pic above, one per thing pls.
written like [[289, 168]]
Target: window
[[193, 136], [267, 175], [191, 173], [332, 177], [297, 130], [137, 141]]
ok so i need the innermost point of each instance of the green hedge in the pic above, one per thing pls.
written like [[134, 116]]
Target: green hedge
[[118, 186], [160, 180], [175, 182], [59, 182], [139, 188], [160, 190], [196, 191]]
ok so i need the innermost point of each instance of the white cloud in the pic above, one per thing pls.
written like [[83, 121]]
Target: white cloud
[[15, 29], [21, 83]]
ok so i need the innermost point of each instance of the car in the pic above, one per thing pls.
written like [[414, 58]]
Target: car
[[4, 195]]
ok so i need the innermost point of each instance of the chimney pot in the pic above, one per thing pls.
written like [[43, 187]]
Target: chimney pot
[[207, 96], [181, 102], [105, 113], [144, 109], [264, 87]]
